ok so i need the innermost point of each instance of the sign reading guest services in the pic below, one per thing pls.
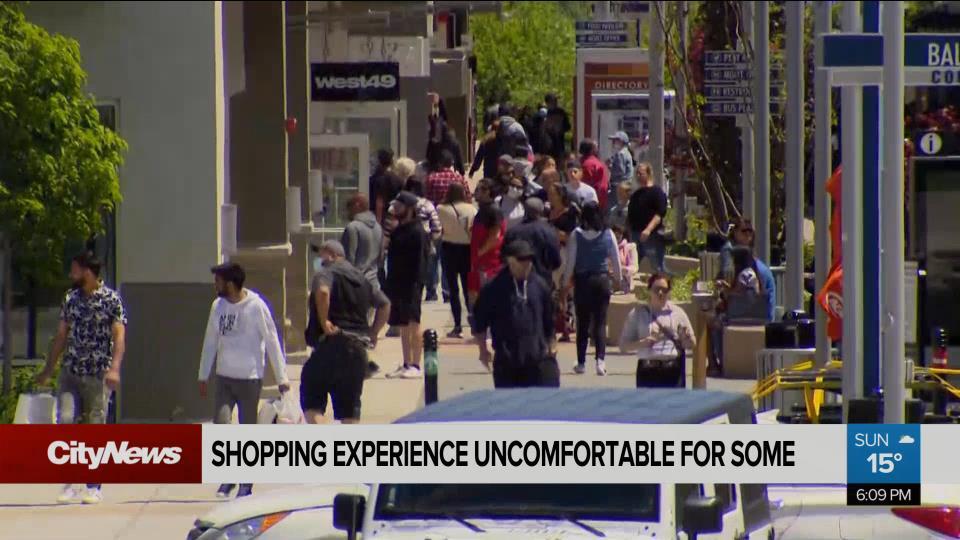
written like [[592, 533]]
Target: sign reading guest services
[[355, 81]]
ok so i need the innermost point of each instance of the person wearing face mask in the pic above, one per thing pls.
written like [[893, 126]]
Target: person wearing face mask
[[511, 203], [659, 332], [341, 298], [517, 309], [239, 331]]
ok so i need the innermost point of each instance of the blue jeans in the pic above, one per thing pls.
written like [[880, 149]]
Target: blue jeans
[[654, 249]]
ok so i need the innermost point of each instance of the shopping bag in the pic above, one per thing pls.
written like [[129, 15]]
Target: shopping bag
[[285, 410], [36, 409]]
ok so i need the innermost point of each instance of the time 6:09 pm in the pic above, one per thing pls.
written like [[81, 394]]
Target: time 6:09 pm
[[883, 494]]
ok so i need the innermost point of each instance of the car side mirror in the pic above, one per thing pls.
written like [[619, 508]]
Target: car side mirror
[[702, 515], [348, 512]]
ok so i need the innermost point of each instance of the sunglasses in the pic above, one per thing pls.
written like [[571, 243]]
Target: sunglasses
[[661, 290]]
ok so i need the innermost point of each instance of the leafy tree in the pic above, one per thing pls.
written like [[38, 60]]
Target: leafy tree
[[527, 53], [59, 167]]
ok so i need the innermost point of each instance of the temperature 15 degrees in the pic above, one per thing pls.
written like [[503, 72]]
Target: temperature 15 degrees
[[883, 462]]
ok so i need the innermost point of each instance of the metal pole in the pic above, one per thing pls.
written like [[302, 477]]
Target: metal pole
[[870, 271], [794, 179], [680, 126], [892, 211], [747, 157], [656, 94], [823, 168], [761, 124], [852, 221]]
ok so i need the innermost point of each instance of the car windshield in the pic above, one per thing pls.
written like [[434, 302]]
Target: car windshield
[[627, 502]]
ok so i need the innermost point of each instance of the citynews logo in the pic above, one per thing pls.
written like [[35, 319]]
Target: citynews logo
[[373, 81], [78, 453]]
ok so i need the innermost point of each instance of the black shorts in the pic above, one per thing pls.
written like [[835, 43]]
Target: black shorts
[[405, 308], [544, 374], [338, 366]]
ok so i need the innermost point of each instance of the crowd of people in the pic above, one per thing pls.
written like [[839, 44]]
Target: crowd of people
[[536, 248]]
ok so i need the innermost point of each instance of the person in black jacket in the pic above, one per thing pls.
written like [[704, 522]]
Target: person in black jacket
[[406, 259], [340, 300], [517, 308], [541, 236], [645, 214]]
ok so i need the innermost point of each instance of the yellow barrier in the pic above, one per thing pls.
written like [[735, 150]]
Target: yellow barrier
[[814, 389]]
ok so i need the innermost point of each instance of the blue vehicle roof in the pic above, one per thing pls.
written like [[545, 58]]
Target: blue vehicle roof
[[610, 405]]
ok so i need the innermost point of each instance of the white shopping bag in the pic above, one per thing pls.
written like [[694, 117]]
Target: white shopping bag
[[285, 410], [36, 409]]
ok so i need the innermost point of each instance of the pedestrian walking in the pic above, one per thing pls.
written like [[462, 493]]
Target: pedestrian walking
[[564, 216], [556, 126], [505, 173], [91, 336], [440, 180], [408, 253], [362, 239], [618, 214], [647, 210], [341, 297], [430, 221], [486, 239], [542, 238], [620, 163], [240, 330], [517, 309], [511, 203], [456, 217], [583, 192], [384, 184], [592, 257], [595, 173], [486, 155], [659, 332]]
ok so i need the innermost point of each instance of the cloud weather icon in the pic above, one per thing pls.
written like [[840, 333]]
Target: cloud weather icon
[[906, 439]]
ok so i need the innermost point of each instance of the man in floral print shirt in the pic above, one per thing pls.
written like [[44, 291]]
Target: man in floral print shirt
[[91, 338]]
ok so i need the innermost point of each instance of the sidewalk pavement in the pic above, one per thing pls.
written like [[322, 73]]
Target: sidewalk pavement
[[168, 511]]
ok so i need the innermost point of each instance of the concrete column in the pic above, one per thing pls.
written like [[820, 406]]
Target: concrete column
[[298, 152], [258, 168]]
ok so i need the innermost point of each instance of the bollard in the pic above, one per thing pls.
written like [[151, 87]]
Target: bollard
[[430, 366], [939, 343]]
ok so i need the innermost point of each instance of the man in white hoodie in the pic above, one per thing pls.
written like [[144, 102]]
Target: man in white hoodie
[[239, 331]]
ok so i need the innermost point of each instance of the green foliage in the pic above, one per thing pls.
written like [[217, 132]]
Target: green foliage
[[527, 54], [696, 241], [22, 384], [809, 253], [682, 287], [58, 164]]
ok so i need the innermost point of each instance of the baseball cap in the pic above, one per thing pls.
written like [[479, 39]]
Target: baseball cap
[[620, 136], [407, 199], [519, 249], [506, 158]]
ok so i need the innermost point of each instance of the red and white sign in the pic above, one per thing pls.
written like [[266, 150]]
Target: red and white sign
[[108, 454]]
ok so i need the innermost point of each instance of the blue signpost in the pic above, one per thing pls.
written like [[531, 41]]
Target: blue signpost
[[856, 59], [727, 81]]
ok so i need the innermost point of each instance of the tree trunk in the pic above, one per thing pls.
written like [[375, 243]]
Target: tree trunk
[[7, 314]]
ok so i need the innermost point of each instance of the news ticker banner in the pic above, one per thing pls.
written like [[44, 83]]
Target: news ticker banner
[[897, 458]]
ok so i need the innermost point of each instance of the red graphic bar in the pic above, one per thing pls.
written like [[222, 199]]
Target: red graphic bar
[[103, 454]]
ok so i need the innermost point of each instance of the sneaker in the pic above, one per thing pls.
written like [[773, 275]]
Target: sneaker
[[579, 369], [393, 331], [457, 333], [411, 372], [396, 373], [225, 491], [93, 496], [431, 298], [70, 495], [245, 490], [601, 368]]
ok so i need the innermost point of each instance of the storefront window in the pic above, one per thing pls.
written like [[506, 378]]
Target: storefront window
[[341, 181]]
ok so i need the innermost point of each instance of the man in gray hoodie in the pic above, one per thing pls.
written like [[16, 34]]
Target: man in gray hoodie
[[362, 239]]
